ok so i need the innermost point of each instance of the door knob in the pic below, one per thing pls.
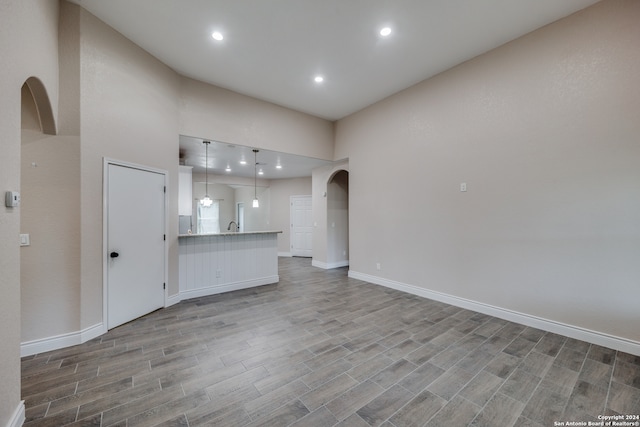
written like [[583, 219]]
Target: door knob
[[114, 254]]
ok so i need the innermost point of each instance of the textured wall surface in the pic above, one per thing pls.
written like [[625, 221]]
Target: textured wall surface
[[28, 48], [544, 132]]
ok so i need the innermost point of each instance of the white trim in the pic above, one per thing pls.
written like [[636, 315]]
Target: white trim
[[61, 341], [18, 418], [172, 300], [329, 265], [105, 232], [228, 287], [285, 254], [571, 331], [292, 199]]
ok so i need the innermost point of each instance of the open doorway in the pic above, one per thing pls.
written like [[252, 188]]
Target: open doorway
[[331, 216], [240, 216], [301, 226], [49, 222], [338, 220]]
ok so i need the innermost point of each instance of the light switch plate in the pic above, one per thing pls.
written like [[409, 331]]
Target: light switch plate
[[25, 240], [12, 199]]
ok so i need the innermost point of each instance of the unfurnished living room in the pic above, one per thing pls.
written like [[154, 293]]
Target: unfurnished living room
[[336, 213]]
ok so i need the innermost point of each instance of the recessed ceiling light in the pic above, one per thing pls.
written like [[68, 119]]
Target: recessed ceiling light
[[318, 79], [228, 169], [385, 31], [243, 162], [217, 35], [278, 166], [260, 172]]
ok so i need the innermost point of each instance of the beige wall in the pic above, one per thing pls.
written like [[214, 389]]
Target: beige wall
[[27, 49], [544, 131], [129, 112], [281, 192], [214, 113], [50, 214], [118, 102], [326, 239], [338, 219]]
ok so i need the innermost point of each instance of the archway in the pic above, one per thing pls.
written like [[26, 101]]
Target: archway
[[331, 215], [338, 219], [49, 217], [36, 107]]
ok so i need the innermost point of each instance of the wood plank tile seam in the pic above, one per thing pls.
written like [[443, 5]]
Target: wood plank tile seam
[[322, 349]]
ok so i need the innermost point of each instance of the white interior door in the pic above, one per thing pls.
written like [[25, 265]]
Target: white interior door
[[135, 243], [301, 226], [240, 217]]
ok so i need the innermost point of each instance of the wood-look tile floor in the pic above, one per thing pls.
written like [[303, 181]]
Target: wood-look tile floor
[[321, 349]]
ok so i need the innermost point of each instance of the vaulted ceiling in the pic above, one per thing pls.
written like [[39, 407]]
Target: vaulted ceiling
[[273, 49]]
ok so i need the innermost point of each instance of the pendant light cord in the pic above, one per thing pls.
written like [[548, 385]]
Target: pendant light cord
[[255, 174], [206, 167], [255, 178]]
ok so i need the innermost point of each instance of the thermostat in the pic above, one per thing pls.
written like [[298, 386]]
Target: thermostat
[[12, 199]]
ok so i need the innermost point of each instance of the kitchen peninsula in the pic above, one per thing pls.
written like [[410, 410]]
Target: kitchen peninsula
[[215, 263]]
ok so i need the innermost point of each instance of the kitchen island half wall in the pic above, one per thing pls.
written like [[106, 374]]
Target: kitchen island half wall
[[215, 263]]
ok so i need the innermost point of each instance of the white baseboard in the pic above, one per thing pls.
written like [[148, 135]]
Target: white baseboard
[[285, 254], [330, 265], [57, 342], [228, 287], [571, 331], [61, 341], [18, 418], [172, 300]]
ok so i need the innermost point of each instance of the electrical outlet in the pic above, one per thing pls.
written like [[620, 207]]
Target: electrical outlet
[[218, 273], [378, 266], [463, 186]]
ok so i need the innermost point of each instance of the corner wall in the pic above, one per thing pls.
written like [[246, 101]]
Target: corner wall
[[338, 220], [121, 103], [50, 214], [281, 191], [325, 241], [129, 112], [211, 112], [35, 21], [544, 132]]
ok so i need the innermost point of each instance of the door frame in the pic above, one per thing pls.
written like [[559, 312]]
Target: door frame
[[291, 216], [105, 231]]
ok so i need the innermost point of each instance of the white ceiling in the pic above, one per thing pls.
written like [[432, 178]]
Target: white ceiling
[[221, 154], [273, 48]]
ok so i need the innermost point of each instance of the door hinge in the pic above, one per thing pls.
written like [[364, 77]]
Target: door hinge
[[165, 189], [164, 237], [164, 286]]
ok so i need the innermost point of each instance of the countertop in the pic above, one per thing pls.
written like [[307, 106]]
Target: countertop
[[232, 233]]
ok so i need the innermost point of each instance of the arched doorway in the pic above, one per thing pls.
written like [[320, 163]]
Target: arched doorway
[[50, 217], [331, 215], [338, 219]]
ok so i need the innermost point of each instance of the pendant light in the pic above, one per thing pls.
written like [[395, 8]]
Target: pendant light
[[256, 204], [206, 201]]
